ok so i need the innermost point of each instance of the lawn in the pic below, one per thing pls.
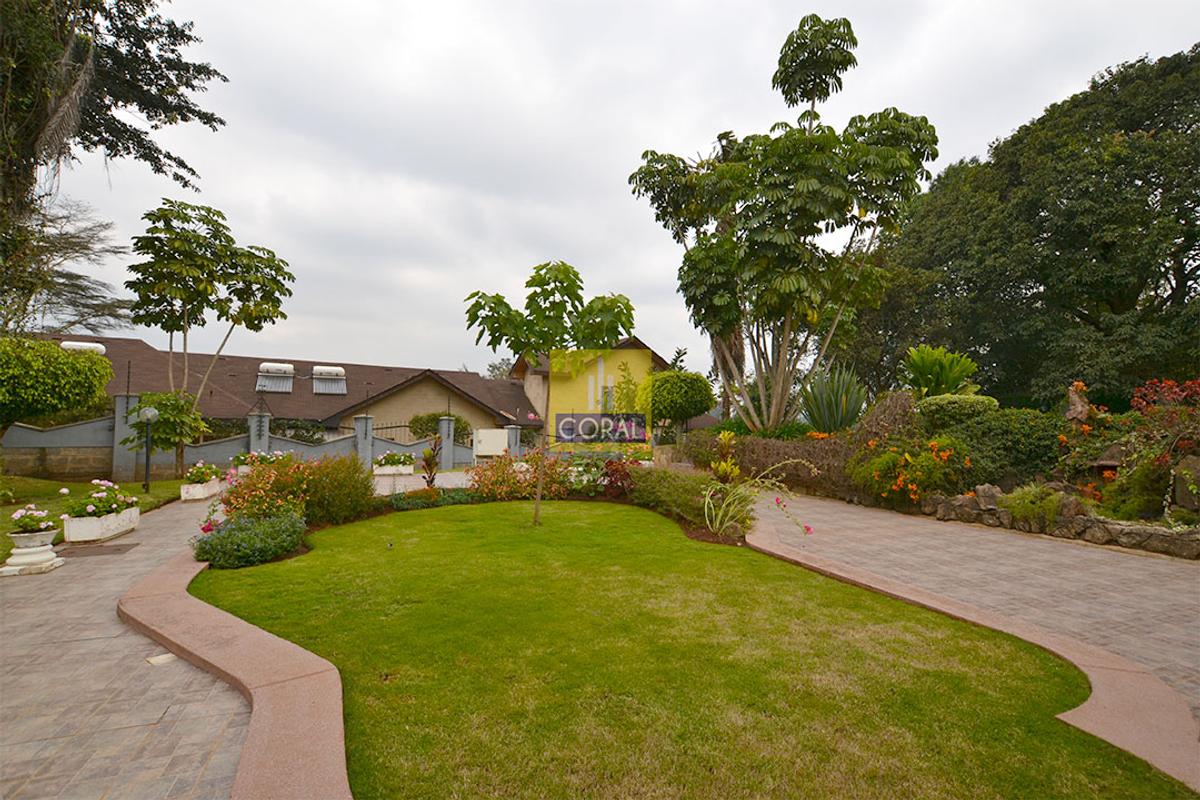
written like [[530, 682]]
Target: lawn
[[45, 494], [606, 655]]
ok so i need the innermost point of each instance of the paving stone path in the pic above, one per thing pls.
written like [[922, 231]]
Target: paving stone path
[[83, 715], [1140, 606]]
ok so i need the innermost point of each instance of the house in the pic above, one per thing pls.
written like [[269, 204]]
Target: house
[[570, 389], [327, 393]]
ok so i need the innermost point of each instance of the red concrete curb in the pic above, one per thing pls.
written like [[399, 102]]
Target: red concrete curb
[[1128, 707], [295, 747]]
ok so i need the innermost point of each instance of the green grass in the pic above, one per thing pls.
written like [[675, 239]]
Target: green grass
[[45, 494], [606, 655]]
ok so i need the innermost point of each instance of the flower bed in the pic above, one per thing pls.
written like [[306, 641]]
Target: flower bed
[[201, 482], [102, 513]]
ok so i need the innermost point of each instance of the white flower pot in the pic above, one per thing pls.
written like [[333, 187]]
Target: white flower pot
[[395, 469], [97, 529], [243, 469], [200, 491], [32, 553]]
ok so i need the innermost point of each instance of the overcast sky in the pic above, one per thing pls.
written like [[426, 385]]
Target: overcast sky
[[400, 155]]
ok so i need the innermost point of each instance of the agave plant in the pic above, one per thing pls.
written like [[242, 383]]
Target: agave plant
[[931, 371], [833, 400]]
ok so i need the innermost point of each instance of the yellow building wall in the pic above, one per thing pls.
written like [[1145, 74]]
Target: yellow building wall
[[422, 397], [578, 380]]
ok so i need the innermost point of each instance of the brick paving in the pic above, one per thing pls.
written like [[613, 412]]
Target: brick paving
[[1140, 606], [83, 715]]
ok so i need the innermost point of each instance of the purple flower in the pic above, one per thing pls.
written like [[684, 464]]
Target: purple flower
[[90, 508]]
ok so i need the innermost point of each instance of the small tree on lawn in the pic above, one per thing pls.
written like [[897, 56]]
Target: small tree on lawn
[[194, 268], [555, 317], [674, 396], [755, 272], [38, 377], [179, 424]]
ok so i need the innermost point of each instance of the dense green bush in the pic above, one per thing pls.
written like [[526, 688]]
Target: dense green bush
[[679, 495], [337, 489], [674, 396], [833, 400], [425, 426], [902, 473], [943, 410], [1137, 493], [1010, 446], [435, 498], [1035, 505], [244, 541]]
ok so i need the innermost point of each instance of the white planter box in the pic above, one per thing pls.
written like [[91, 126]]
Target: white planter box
[[243, 469], [395, 469], [97, 529], [32, 553], [200, 491]]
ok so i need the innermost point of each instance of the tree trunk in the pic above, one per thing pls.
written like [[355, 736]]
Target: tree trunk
[[211, 364], [179, 470], [537, 492]]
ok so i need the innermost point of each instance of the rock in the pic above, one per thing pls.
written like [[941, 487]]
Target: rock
[[1187, 472], [1071, 506], [1132, 535], [1098, 534], [945, 510], [1112, 457], [990, 517], [965, 508], [987, 495], [1006, 518], [930, 503], [1064, 487], [1078, 407]]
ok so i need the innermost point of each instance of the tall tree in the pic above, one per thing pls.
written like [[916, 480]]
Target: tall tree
[[194, 268], [757, 273], [1072, 252]]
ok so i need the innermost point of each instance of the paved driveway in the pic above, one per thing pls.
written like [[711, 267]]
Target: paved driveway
[[82, 713], [1141, 606]]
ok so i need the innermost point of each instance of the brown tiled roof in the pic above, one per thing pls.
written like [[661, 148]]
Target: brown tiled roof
[[230, 393]]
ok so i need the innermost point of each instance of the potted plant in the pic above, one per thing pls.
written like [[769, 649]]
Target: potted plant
[[244, 462], [102, 513], [202, 481], [392, 463], [33, 543]]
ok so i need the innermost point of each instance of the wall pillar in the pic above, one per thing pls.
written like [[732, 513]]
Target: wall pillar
[[258, 423], [446, 431], [364, 438], [124, 459], [514, 440]]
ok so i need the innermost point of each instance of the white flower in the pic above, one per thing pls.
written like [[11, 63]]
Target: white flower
[[47, 525], [20, 512], [95, 481], [64, 516], [64, 490]]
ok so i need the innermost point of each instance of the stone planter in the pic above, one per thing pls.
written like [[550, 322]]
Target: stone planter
[[32, 553], [200, 491], [395, 469], [97, 529]]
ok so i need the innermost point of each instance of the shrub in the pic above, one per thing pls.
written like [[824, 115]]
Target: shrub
[[942, 411], [394, 459], [435, 498], [1035, 505], [679, 495], [103, 498], [246, 541], [425, 426], [586, 475], [674, 396], [787, 431], [339, 489], [505, 478], [901, 473], [833, 400], [930, 371], [1137, 493], [618, 478], [202, 473], [270, 489], [1010, 446]]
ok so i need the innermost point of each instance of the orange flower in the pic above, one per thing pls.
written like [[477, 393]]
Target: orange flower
[[967, 464], [1062, 439], [969, 494], [1109, 474], [1085, 429], [817, 435], [872, 442], [1079, 386]]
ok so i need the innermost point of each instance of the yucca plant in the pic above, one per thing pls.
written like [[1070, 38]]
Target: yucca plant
[[931, 371], [833, 400]]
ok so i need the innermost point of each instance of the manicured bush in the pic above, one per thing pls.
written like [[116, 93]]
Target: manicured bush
[[833, 400], [435, 498], [271, 489], [1034, 504], [1010, 446], [506, 478], [679, 495], [246, 541], [902, 472], [424, 426], [944, 410], [338, 489]]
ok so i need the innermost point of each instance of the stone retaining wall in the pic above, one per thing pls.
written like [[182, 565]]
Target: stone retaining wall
[[61, 463]]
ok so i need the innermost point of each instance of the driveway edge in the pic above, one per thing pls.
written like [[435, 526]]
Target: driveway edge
[[295, 746], [1129, 707]]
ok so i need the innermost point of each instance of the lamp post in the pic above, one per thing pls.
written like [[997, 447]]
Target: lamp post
[[148, 415]]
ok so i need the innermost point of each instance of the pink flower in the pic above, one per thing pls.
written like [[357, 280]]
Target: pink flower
[[90, 508], [778, 501], [207, 527], [808, 530]]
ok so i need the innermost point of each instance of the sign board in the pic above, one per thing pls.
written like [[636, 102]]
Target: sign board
[[587, 428]]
